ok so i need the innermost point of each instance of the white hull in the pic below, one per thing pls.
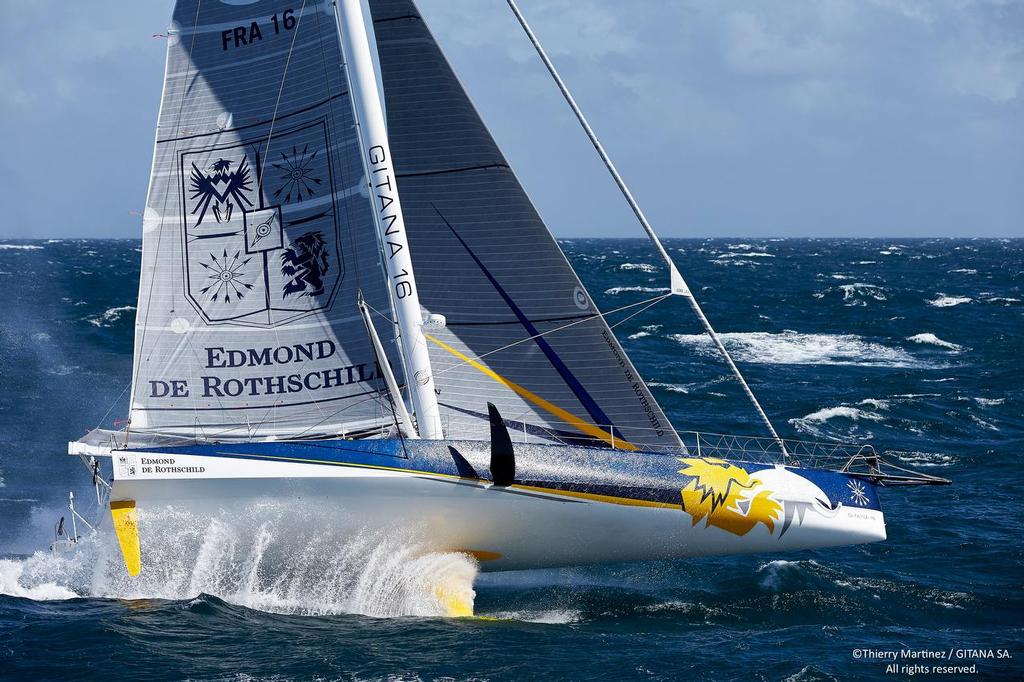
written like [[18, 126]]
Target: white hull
[[506, 528]]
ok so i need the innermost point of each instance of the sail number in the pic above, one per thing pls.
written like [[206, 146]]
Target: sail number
[[239, 36]]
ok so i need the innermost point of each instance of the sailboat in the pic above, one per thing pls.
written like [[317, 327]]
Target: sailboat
[[348, 299]]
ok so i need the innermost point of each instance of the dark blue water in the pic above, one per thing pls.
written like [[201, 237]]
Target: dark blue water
[[911, 345]]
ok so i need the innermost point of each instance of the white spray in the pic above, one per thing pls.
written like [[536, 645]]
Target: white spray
[[281, 558]]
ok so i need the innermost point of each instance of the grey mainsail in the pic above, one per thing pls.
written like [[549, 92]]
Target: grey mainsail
[[485, 260], [257, 235]]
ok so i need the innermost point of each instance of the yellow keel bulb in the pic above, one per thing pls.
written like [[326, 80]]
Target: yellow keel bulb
[[126, 525]]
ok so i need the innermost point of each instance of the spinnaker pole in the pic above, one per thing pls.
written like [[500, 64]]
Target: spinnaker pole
[[397, 403], [677, 284], [387, 212]]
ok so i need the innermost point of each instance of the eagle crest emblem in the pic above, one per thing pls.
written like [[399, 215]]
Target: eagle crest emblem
[[220, 187]]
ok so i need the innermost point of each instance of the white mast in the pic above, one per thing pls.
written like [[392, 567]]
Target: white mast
[[387, 212], [676, 282]]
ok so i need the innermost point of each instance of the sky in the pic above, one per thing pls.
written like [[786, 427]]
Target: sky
[[873, 118]]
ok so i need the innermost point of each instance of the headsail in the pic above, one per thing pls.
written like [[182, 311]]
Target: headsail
[[486, 261], [257, 235]]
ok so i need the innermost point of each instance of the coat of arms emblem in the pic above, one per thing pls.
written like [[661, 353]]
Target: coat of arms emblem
[[260, 231]]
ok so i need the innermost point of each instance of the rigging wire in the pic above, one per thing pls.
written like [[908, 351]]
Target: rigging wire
[[590, 318]]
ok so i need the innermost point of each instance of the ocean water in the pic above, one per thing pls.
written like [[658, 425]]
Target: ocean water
[[912, 345]]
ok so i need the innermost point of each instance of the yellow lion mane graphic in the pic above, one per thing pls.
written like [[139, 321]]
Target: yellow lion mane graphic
[[727, 496]]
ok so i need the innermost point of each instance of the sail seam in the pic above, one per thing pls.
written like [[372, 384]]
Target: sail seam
[[398, 18], [539, 320], [250, 407], [257, 124], [486, 166]]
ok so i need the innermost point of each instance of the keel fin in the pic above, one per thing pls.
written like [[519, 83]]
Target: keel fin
[[126, 525], [503, 457]]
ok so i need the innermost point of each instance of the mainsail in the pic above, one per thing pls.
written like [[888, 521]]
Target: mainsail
[[521, 331], [258, 235]]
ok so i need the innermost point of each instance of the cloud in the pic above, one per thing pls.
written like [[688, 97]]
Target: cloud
[[796, 117], [996, 73], [752, 47]]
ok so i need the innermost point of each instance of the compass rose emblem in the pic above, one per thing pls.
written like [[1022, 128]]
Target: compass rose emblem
[[226, 276], [857, 494], [297, 175]]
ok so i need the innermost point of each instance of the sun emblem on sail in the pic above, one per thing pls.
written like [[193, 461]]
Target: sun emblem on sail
[[727, 497], [221, 188], [226, 277], [297, 175]]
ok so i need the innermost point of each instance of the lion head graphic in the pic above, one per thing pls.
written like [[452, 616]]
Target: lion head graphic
[[727, 496]]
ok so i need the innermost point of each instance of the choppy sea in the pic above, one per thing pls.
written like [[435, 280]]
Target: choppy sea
[[911, 345]]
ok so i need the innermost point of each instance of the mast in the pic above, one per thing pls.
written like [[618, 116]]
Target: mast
[[676, 282], [387, 212]]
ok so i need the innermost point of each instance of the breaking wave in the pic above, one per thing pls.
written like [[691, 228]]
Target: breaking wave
[[110, 316], [926, 459], [858, 293], [943, 301], [643, 290], [273, 557], [746, 254], [793, 348], [671, 388], [814, 423], [932, 340], [19, 247], [642, 267]]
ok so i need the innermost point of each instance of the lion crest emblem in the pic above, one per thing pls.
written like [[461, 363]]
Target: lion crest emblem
[[305, 264]]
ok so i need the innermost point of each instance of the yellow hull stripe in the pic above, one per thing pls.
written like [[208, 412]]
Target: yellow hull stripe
[[551, 408]]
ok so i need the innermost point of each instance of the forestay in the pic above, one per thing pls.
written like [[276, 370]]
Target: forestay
[[486, 261], [257, 235]]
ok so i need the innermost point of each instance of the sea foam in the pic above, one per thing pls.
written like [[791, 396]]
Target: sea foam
[[932, 340], [793, 348], [19, 247], [943, 301], [110, 316]]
